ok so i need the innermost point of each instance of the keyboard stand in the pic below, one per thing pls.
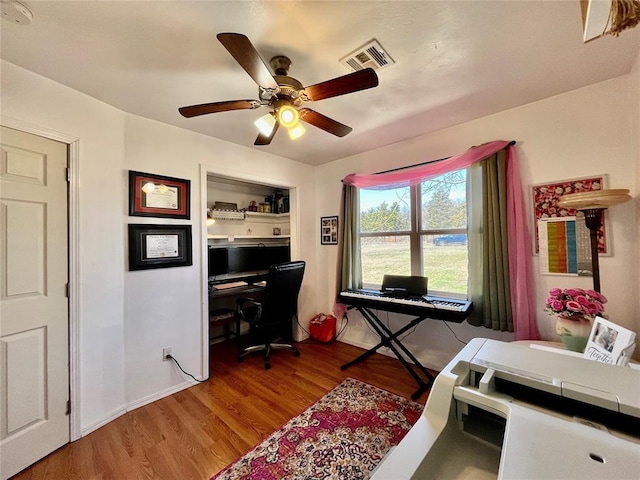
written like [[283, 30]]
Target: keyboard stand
[[390, 339]]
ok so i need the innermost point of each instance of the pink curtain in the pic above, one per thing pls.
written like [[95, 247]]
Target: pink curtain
[[520, 268], [415, 175]]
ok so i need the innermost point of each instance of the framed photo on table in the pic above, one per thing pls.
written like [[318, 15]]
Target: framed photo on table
[[329, 230], [158, 196], [159, 246]]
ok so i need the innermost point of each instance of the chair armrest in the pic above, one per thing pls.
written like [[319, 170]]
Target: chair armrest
[[240, 302], [243, 303]]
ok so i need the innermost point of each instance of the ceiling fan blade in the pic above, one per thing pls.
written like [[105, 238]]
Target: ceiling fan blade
[[353, 82], [241, 48], [325, 123], [266, 139], [204, 108]]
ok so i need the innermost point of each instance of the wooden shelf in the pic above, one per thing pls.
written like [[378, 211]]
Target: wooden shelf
[[257, 237], [267, 215]]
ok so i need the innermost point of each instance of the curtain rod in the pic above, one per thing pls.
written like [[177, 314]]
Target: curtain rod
[[511, 143]]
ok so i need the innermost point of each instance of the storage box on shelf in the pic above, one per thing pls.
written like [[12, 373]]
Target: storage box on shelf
[[226, 214]]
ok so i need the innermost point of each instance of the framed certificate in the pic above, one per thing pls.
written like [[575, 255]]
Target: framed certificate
[[158, 196], [159, 246]]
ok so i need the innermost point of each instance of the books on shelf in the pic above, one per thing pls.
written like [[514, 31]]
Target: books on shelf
[[610, 343]]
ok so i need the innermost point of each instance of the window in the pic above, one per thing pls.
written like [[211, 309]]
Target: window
[[418, 230]]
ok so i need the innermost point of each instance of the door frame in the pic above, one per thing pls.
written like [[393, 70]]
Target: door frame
[[207, 168], [73, 145]]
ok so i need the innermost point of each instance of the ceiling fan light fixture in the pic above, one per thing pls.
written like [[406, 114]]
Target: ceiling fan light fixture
[[288, 116], [266, 123], [282, 94], [296, 131]]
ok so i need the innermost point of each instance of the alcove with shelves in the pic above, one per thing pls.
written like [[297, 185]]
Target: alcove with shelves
[[239, 224]]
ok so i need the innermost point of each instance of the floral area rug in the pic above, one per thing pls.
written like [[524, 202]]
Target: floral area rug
[[342, 436]]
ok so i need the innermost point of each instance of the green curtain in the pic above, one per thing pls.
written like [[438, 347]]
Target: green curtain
[[489, 286], [349, 266]]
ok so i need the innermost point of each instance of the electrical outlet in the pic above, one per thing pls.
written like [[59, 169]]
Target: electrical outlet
[[166, 351]]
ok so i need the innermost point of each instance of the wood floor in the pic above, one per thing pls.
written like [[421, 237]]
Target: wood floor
[[195, 433]]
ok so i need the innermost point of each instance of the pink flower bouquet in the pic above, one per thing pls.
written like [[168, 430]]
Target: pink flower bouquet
[[576, 302]]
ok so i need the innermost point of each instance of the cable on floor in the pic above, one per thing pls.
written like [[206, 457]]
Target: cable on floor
[[186, 373], [454, 333]]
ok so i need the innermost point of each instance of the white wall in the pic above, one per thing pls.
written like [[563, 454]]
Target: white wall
[[127, 317], [580, 133], [635, 86], [100, 128], [162, 307]]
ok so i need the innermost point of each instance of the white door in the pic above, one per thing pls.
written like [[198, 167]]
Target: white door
[[34, 340]]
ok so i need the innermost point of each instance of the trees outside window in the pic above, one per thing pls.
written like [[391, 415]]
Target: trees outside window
[[418, 230]]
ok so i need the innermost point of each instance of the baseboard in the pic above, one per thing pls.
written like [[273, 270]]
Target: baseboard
[[432, 364], [159, 395], [102, 422], [134, 405], [382, 351]]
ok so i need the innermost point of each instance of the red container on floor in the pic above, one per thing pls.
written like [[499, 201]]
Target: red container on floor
[[323, 328]]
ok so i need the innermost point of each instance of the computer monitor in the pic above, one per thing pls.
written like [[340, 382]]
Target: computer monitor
[[236, 261]]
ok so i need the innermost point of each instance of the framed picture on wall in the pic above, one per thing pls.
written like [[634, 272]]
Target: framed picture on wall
[[329, 230], [159, 246], [158, 196], [545, 203]]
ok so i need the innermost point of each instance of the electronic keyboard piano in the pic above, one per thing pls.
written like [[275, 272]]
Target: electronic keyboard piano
[[439, 308], [401, 295]]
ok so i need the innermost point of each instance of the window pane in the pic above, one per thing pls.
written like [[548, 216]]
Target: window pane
[[384, 255], [444, 201], [385, 210], [446, 262]]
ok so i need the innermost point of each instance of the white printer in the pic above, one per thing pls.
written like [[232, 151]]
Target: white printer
[[509, 411]]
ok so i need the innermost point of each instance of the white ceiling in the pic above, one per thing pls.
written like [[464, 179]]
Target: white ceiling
[[455, 60]]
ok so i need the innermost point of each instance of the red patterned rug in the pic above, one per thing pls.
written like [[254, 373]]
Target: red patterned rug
[[342, 436]]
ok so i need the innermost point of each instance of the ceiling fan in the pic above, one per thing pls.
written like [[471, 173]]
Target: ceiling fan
[[283, 94]]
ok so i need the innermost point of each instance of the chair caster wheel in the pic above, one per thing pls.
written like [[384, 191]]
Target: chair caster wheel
[[296, 354], [267, 366]]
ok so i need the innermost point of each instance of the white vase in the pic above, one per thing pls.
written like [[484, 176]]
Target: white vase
[[574, 331]]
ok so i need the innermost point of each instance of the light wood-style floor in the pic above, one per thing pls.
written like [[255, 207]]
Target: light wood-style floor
[[195, 433]]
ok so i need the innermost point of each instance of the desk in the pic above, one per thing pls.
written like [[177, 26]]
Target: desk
[[225, 298]]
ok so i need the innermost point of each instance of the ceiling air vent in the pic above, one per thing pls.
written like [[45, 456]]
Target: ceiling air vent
[[370, 55]]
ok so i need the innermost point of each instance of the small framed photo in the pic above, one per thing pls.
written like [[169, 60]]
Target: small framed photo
[[329, 230], [159, 246], [610, 343], [158, 196]]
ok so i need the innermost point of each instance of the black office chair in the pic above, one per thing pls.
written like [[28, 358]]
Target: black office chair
[[270, 319]]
